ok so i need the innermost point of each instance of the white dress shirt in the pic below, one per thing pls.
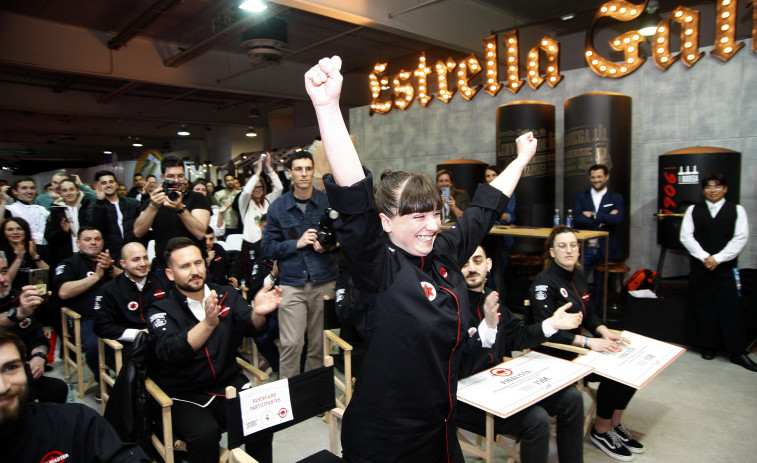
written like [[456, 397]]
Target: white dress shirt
[[731, 249]]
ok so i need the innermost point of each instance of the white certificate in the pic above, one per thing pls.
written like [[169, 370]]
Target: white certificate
[[265, 406], [518, 383], [636, 364]]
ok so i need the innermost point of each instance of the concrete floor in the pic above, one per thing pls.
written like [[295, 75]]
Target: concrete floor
[[694, 411]]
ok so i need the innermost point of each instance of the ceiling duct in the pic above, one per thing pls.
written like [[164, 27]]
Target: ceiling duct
[[265, 41]]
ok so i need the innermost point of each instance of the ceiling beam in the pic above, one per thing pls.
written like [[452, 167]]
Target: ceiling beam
[[120, 91], [138, 25]]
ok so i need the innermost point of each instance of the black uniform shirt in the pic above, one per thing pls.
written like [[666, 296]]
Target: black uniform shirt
[[78, 267], [415, 313], [120, 304]]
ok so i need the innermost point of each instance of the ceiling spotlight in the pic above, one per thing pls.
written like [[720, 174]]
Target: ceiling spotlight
[[256, 6], [183, 131], [251, 132], [107, 152], [568, 17], [650, 20], [137, 143]]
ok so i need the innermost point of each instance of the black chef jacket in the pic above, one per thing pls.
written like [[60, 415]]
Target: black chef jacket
[[78, 267], [66, 433], [415, 313], [198, 376]]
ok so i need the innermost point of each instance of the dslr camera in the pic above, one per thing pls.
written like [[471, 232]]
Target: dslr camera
[[172, 189], [326, 233]]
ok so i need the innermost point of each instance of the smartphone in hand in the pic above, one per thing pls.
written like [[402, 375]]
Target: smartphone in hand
[[39, 277], [445, 192]]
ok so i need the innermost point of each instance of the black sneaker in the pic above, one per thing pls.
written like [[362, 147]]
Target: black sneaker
[[609, 443], [626, 439]]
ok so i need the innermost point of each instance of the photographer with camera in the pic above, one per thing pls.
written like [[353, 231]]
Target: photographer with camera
[[173, 211], [306, 271]]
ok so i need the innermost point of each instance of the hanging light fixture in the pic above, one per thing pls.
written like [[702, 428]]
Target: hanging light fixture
[[251, 132], [650, 20], [183, 131], [255, 6], [137, 143]]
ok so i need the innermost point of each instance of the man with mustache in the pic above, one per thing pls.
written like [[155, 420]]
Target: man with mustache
[[36, 431], [76, 282], [196, 329], [121, 304], [532, 424]]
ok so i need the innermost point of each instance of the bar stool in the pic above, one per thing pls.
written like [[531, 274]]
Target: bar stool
[[614, 271]]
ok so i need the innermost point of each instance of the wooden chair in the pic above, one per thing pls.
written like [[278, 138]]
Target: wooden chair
[[106, 380], [75, 364], [165, 445], [311, 393], [334, 345]]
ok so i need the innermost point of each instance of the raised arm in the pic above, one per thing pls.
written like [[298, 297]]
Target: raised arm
[[508, 179], [323, 83]]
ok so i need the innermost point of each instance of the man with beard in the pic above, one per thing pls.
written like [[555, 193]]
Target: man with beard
[[532, 424], [121, 304], [76, 282], [196, 329], [17, 316], [113, 215], [51, 432]]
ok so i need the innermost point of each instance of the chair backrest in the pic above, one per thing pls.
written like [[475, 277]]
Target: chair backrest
[[311, 393], [223, 244], [234, 242]]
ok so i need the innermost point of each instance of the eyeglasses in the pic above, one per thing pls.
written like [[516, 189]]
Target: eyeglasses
[[299, 170], [562, 246], [258, 188]]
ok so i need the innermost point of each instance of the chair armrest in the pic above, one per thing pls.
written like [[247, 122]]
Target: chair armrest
[[70, 313], [259, 374], [157, 393], [344, 345], [238, 455], [113, 344], [337, 412], [567, 347]]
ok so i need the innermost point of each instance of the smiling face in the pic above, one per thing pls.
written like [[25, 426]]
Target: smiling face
[[565, 250], [14, 232], [90, 243], [109, 185], [714, 191], [259, 191], [444, 181], [134, 261], [598, 179], [415, 232], [476, 269], [201, 188], [13, 388], [186, 268], [26, 191], [70, 192]]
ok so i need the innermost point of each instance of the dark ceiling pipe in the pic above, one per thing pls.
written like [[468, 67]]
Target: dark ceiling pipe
[[138, 25]]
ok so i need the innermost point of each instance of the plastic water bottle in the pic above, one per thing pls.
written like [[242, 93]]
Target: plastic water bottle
[[556, 218], [569, 219], [71, 397], [738, 280]]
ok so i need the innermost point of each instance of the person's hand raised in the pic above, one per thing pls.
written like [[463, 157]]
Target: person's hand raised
[[323, 81], [526, 144]]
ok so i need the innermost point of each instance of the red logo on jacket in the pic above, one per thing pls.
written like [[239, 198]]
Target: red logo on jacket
[[54, 457], [159, 293], [224, 311]]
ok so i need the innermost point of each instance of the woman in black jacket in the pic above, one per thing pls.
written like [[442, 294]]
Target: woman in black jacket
[[560, 282], [414, 296], [20, 250], [67, 214]]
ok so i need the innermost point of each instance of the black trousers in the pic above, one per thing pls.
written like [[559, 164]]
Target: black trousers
[[201, 429], [611, 396], [716, 318]]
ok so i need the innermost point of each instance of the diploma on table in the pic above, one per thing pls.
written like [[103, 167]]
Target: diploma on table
[[518, 383], [636, 364]]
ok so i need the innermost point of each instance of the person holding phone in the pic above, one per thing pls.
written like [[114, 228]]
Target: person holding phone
[[456, 201], [560, 282]]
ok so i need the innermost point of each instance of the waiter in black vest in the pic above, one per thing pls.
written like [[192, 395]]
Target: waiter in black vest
[[714, 232]]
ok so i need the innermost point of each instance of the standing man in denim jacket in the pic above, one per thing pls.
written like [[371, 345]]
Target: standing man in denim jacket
[[306, 271]]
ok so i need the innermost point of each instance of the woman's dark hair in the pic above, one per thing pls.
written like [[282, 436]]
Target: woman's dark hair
[[492, 168], [402, 193], [27, 232], [203, 182], [550, 243]]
